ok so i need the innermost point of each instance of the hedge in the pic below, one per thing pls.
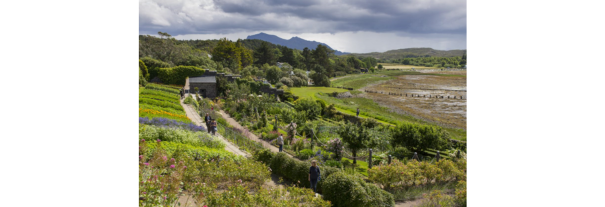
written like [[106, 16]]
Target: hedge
[[291, 168], [153, 66], [177, 75], [348, 190]]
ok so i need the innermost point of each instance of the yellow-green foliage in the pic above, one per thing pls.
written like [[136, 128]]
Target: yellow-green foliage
[[176, 75]]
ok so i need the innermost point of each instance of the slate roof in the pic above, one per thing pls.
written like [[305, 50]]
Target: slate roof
[[207, 79]]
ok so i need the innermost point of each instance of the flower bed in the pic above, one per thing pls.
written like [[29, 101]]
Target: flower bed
[[149, 132], [165, 122], [151, 113]]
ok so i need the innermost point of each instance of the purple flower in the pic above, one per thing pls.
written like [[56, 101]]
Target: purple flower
[[164, 158], [146, 163], [171, 166], [159, 140], [171, 159], [141, 157], [184, 167]]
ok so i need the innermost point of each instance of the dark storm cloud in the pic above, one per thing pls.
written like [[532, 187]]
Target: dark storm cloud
[[228, 16]]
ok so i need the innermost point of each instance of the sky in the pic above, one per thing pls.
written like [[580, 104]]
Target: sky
[[356, 26]]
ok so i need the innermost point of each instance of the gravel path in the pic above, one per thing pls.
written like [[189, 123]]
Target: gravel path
[[250, 136], [197, 120]]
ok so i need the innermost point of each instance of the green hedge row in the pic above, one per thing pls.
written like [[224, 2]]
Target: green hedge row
[[346, 190], [291, 168], [176, 75], [153, 66], [336, 186], [164, 104], [164, 88]]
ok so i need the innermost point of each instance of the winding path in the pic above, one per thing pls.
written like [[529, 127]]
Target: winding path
[[197, 120], [250, 136]]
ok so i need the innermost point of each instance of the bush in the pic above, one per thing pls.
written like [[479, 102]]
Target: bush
[[347, 190], [292, 169], [312, 108], [279, 85], [402, 153], [305, 154], [420, 137], [199, 139], [287, 81]]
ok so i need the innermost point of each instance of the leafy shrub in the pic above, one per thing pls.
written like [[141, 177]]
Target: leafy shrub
[[312, 108], [305, 154], [287, 81], [347, 190], [369, 123], [336, 146], [402, 153], [279, 85], [143, 69], [399, 175], [292, 169], [420, 137]]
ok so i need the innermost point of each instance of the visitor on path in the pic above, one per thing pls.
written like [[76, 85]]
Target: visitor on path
[[314, 175], [213, 127], [181, 91], [207, 119], [280, 142], [357, 112]]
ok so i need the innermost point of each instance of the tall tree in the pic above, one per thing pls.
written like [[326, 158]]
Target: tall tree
[[308, 58], [227, 53], [264, 54]]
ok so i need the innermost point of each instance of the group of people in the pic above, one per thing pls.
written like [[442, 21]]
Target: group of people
[[210, 124]]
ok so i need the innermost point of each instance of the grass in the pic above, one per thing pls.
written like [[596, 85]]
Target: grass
[[415, 192], [309, 92], [362, 166]]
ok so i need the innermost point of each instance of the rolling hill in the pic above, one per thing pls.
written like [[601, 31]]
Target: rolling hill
[[412, 52]]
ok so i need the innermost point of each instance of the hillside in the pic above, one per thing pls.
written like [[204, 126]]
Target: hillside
[[294, 42], [412, 52]]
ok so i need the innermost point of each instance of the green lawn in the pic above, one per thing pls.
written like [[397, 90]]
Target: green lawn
[[309, 92], [362, 166]]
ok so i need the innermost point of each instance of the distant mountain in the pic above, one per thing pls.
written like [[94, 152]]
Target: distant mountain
[[412, 52], [294, 42]]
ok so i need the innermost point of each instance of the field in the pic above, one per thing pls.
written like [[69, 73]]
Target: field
[[445, 111], [309, 92]]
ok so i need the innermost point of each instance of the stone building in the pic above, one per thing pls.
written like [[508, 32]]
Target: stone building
[[206, 86]]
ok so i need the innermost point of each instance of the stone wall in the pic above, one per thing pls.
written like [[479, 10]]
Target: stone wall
[[270, 90], [209, 87]]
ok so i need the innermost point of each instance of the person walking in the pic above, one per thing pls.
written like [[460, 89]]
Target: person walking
[[357, 112], [214, 127], [314, 175], [207, 119], [280, 142]]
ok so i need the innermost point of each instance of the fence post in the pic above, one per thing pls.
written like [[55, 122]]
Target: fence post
[[415, 156], [389, 159], [437, 156], [370, 161]]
